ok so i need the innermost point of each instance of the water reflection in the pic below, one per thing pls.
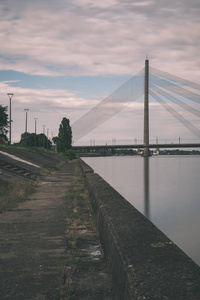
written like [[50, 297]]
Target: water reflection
[[146, 188]]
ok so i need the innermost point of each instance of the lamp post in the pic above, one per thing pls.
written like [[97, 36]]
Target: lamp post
[[26, 111], [43, 133], [47, 137], [10, 96], [35, 119]]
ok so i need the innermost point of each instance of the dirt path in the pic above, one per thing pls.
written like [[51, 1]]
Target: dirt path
[[36, 239], [33, 241]]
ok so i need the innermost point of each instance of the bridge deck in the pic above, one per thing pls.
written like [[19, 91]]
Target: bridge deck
[[151, 146]]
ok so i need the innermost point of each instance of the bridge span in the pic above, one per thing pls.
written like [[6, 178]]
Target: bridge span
[[137, 146], [168, 90]]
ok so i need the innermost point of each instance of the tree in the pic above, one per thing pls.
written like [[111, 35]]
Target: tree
[[43, 141], [64, 139], [28, 139], [3, 120]]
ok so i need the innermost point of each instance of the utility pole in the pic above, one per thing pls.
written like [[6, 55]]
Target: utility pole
[[146, 109]]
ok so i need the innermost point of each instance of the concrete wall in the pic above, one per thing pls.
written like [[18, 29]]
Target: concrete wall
[[143, 262]]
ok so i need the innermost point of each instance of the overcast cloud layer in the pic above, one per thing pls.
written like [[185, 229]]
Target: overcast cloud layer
[[99, 38]]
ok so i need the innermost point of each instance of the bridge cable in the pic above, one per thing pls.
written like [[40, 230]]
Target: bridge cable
[[176, 101], [134, 89], [130, 91], [175, 86], [174, 78], [178, 90], [179, 117]]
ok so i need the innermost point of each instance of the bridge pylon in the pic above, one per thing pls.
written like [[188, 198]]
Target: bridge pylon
[[146, 152]]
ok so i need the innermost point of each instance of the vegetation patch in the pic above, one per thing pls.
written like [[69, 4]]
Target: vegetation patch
[[15, 193], [12, 190], [75, 216], [50, 168], [80, 227], [70, 154], [58, 295], [72, 260]]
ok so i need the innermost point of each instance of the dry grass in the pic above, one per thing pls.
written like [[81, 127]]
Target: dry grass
[[15, 193]]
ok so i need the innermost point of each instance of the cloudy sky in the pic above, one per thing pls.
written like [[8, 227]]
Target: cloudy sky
[[61, 58]]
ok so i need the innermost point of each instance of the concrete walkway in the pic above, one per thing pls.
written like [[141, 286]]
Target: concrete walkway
[[32, 239]]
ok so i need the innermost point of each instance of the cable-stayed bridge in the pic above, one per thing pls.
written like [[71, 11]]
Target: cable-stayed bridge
[[164, 87]]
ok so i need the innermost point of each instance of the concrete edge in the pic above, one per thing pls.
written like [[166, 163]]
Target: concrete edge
[[85, 168], [143, 262]]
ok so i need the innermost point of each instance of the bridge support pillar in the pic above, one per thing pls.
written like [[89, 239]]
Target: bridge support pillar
[[146, 152]]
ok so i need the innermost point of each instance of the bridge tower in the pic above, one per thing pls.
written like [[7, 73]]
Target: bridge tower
[[146, 152]]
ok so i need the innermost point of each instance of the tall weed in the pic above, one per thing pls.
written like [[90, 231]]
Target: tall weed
[[15, 193]]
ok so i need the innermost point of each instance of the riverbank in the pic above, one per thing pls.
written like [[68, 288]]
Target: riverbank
[[55, 247]]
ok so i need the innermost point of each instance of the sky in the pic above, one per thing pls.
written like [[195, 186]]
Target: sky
[[61, 58]]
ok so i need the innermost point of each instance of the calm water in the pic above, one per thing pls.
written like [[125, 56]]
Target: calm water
[[166, 189]]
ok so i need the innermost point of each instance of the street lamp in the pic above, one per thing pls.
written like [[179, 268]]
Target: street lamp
[[43, 133], [26, 111], [10, 96], [47, 137], [35, 131], [43, 128]]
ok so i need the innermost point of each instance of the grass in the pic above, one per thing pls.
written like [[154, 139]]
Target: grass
[[74, 194], [72, 260], [58, 295], [15, 193], [50, 168], [75, 216]]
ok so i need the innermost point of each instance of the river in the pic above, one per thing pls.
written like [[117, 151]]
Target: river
[[166, 189]]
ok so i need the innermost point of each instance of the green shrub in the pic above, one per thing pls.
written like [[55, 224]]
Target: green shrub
[[70, 154]]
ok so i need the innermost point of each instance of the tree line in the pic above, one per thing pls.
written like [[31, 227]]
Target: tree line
[[63, 141]]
